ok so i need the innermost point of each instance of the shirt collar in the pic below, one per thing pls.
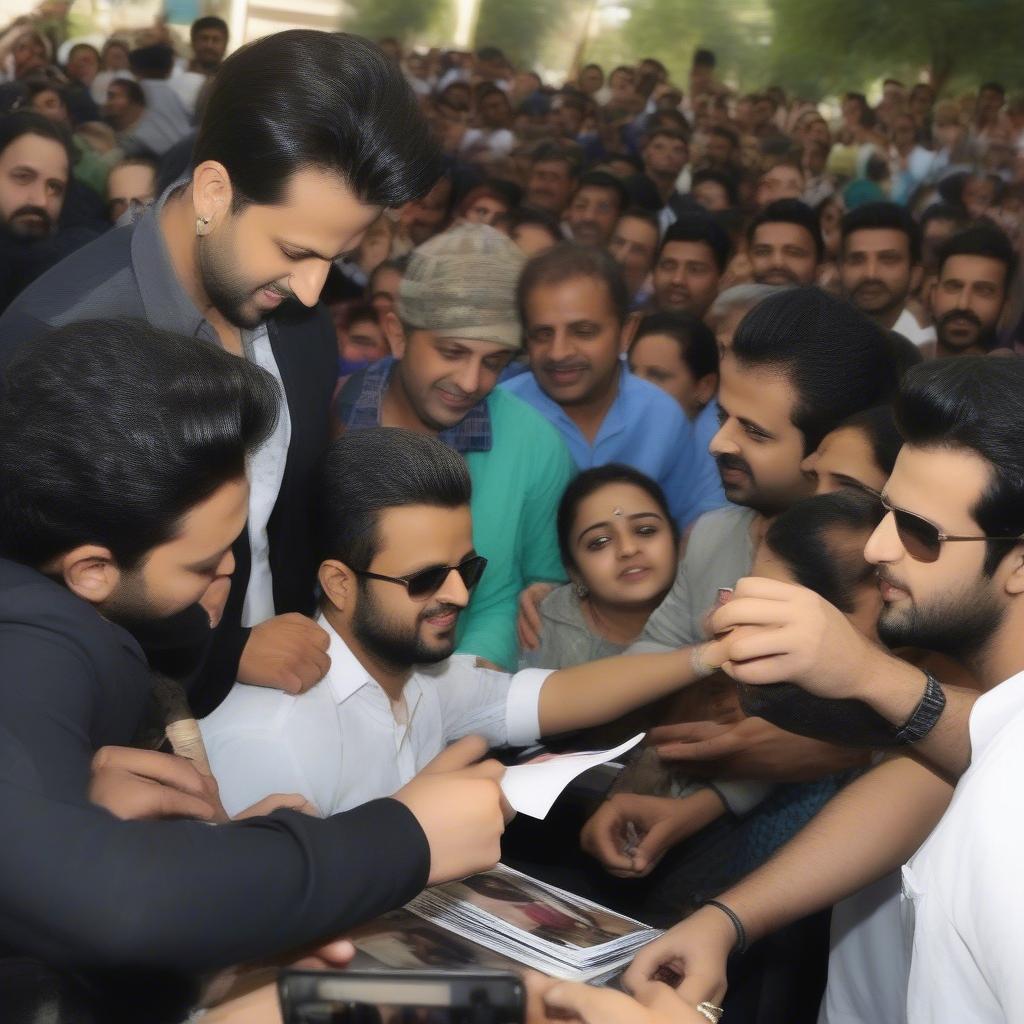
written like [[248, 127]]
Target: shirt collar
[[471, 434], [993, 710]]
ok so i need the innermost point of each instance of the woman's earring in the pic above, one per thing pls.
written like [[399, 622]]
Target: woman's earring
[[581, 590]]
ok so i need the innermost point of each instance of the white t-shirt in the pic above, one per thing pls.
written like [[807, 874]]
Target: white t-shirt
[[963, 891], [344, 742]]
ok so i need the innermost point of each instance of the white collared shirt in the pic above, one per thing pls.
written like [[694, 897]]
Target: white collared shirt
[[963, 891], [344, 742]]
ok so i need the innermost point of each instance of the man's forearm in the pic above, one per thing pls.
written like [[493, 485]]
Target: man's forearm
[[870, 828], [598, 692]]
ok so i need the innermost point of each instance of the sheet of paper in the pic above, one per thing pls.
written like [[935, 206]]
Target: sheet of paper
[[532, 788]]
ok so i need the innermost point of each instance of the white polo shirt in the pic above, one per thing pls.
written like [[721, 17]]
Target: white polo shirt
[[963, 891], [344, 742]]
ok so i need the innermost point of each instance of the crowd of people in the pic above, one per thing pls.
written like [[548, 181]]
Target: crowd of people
[[363, 412]]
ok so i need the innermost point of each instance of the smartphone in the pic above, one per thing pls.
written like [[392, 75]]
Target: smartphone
[[402, 997]]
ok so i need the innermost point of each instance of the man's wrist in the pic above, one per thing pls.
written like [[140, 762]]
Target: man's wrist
[[890, 686]]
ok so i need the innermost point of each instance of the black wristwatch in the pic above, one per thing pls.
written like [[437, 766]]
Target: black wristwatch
[[926, 714]]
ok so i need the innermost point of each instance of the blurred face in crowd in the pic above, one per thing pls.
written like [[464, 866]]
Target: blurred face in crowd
[[127, 184], [33, 181], [29, 54], [549, 186], [758, 449], [443, 378], [904, 133], [990, 102], [592, 214], [495, 111], [50, 104], [658, 358], [621, 85], [782, 182], [485, 210], [83, 64], [979, 195], [844, 459], [533, 239], [425, 217], [573, 339], [718, 151], [876, 273], [252, 259], [381, 617], [119, 109], [665, 157], [623, 546], [783, 253], [634, 244], [209, 46], [921, 101], [362, 341], [967, 301], [712, 195], [815, 158], [686, 278], [384, 285], [115, 57], [591, 80]]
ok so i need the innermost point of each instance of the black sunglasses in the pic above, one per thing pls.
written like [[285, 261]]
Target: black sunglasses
[[427, 582], [921, 539]]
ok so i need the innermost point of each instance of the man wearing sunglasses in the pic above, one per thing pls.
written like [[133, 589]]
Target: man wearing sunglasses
[[398, 566], [949, 553]]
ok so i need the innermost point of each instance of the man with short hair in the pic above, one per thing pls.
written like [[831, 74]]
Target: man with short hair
[[693, 256], [784, 244], [455, 330], [575, 311], [595, 207], [215, 257], [552, 178], [168, 117], [785, 180], [665, 153], [125, 106], [721, 150], [634, 246], [976, 268], [209, 38], [132, 180], [880, 265]]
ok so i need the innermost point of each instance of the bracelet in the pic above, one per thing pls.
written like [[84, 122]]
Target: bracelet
[[926, 714], [700, 668], [741, 932]]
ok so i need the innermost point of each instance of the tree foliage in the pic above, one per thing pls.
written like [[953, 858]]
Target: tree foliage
[[519, 28], [403, 19]]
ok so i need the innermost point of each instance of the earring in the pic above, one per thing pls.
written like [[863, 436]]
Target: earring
[[581, 590], [202, 226]]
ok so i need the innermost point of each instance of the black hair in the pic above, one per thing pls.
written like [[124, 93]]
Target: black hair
[[974, 403], [155, 60], [704, 57], [567, 261], [725, 132], [905, 353], [83, 46], [208, 22], [790, 211], [30, 122], [727, 181], [649, 217], [981, 239], [332, 100], [804, 538], [553, 152], [700, 227], [525, 216], [836, 359], [997, 87], [131, 88], [489, 53], [883, 216], [154, 424], [697, 345], [878, 425], [587, 483], [602, 179], [651, 133], [941, 211], [366, 472], [36, 86]]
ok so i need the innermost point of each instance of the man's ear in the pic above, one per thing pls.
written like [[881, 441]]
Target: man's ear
[[1015, 581], [628, 333], [211, 192], [338, 582], [394, 332], [89, 572], [707, 388]]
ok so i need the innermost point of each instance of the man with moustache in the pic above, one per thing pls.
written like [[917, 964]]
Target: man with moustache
[[976, 268], [595, 207], [784, 244]]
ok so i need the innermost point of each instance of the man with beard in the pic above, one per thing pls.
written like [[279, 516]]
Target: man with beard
[[215, 257], [880, 266], [693, 256], [456, 329], [634, 245], [784, 244], [35, 162], [976, 268], [395, 532], [595, 206], [950, 562]]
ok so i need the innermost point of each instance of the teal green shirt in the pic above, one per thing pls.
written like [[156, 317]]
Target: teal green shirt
[[517, 485]]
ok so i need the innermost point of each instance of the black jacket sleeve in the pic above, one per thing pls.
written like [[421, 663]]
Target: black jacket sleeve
[[80, 889]]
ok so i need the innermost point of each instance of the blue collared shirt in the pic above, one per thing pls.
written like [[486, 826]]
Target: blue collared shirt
[[644, 428]]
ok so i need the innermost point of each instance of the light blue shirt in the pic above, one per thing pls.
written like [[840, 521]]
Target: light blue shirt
[[645, 429]]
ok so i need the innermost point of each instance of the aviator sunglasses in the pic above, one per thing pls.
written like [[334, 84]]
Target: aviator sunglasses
[[427, 582], [921, 539]]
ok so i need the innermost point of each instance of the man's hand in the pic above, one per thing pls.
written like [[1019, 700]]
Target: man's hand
[[458, 802], [629, 834], [279, 802], [528, 625], [694, 952], [751, 749], [147, 784], [287, 652], [651, 1003], [772, 632]]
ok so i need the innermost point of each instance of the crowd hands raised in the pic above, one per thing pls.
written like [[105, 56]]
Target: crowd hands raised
[[695, 394]]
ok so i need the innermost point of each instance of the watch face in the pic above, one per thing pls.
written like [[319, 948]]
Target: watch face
[[851, 723]]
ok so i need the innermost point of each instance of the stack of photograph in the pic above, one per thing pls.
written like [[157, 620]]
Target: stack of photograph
[[535, 924]]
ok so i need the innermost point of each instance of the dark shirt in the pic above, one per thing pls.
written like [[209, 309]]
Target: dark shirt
[[127, 273], [110, 902]]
